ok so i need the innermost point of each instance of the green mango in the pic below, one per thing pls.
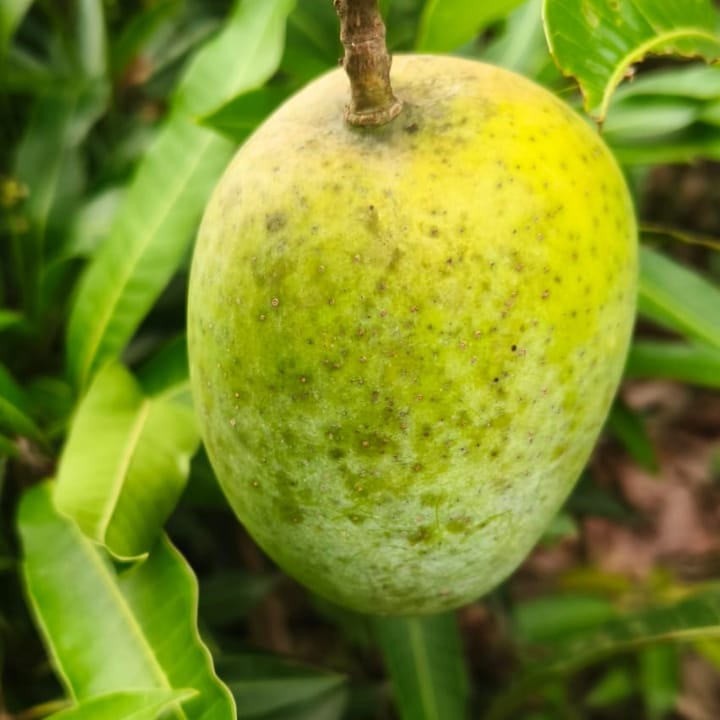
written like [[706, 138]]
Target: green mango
[[404, 340]]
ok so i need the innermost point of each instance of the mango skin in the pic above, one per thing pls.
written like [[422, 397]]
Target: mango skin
[[404, 341]]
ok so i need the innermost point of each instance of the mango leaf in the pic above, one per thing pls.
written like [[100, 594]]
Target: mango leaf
[[424, 659], [695, 81], [15, 418], [659, 679], [156, 219], [140, 27], [628, 427], [597, 41], [11, 14], [678, 298], [603, 633], [48, 160], [520, 45], [7, 449], [447, 24], [166, 374], [137, 705], [125, 462], [270, 688], [313, 41], [692, 364], [10, 319], [697, 141], [146, 614], [227, 596], [634, 119], [238, 118]]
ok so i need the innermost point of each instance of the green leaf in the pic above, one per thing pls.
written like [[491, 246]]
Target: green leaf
[[10, 319], [447, 24], [693, 364], [615, 686], [425, 662], [125, 462], [227, 596], [639, 117], [678, 298], [7, 449], [313, 41], [11, 14], [520, 45], [140, 27], [597, 41], [15, 416], [47, 155], [115, 631], [90, 38], [696, 81], [49, 160], [270, 688], [698, 141], [605, 634], [659, 679], [137, 705], [629, 428], [155, 222], [237, 118], [166, 374]]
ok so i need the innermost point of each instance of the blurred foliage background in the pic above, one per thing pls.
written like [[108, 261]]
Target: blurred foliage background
[[116, 120]]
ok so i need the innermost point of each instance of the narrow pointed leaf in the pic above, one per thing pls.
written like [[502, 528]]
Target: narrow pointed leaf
[[49, 158], [447, 24], [266, 686], [125, 462], [238, 118], [166, 374], [137, 705], [678, 298], [597, 41], [425, 661], [155, 222], [15, 416], [11, 14], [692, 364], [609, 633], [146, 613]]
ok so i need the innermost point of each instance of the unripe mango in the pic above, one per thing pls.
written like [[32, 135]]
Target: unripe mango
[[404, 340]]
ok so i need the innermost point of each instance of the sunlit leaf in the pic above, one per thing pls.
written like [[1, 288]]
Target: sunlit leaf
[[146, 614], [597, 41], [447, 24], [136, 705], [425, 662], [125, 462], [678, 298], [155, 222]]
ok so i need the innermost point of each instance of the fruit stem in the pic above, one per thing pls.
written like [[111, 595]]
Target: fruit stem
[[367, 63]]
